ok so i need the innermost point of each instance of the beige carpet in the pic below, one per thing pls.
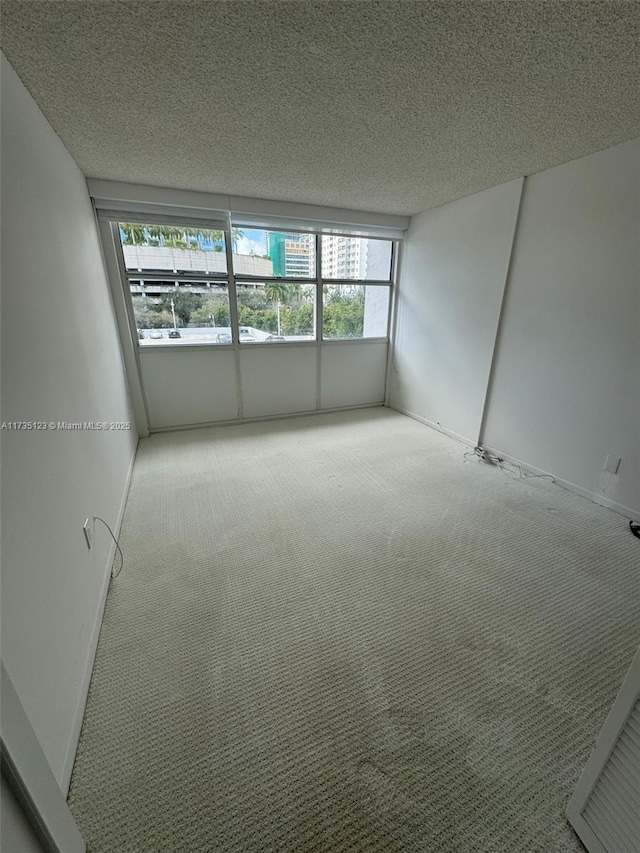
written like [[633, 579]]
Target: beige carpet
[[336, 634]]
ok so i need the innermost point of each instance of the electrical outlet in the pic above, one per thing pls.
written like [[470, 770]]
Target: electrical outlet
[[88, 532], [611, 464]]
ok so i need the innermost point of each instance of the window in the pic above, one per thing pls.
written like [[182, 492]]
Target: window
[[171, 303], [276, 312], [355, 311], [185, 313], [173, 248], [355, 258], [273, 254], [178, 278]]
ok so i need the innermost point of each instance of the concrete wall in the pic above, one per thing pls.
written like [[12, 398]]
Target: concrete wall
[[60, 362], [376, 312], [161, 258], [565, 386], [454, 269]]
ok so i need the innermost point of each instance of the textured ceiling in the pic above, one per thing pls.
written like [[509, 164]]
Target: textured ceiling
[[383, 106]]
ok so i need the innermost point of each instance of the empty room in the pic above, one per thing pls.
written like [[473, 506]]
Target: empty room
[[320, 426]]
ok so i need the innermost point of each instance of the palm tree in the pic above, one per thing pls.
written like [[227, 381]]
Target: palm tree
[[170, 235], [134, 235], [276, 291], [175, 237], [295, 293]]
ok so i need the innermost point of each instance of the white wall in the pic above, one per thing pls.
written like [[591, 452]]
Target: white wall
[[454, 268], [60, 362], [189, 386], [277, 380], [185, 386], [566, 389], [352, 374], [16, 835]]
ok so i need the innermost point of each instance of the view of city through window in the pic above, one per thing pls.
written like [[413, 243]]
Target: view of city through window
[[178, 279]]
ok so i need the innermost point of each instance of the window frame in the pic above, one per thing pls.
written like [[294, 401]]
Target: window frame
[[114, 217], [358, 283], [195, 280], [290, 278], [311, 283], [379, 282], [390, 283]]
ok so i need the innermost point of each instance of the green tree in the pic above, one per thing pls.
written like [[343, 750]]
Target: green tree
[[217, 307], [183, 303], [155, 320], [297, 319], [133, 234], [236, 236], [276, 291], [296, 294], [176, 237], [264, 319], [343, 314], [253, 297], [142, 312]]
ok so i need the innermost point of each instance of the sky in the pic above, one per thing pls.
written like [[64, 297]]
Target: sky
[[253, 241]]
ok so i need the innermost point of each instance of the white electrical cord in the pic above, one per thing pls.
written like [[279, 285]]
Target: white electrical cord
[[486, 456], [113, 574]]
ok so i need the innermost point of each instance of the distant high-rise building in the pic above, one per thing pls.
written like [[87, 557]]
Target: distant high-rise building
[[354, 258], [343, 257], [292, 254]]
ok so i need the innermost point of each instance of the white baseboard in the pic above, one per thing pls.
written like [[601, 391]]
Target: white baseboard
[[264, 418], [468, 442], [594, 497], [70, 755], [627, 511]]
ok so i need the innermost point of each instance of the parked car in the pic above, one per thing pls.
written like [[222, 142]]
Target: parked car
[[174, 333], [275, 338], [155, 334], [246, 336], [223, 338]]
